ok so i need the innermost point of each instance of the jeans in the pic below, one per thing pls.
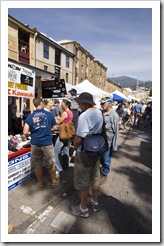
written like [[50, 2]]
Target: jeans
[[58, 146], [105, 160]]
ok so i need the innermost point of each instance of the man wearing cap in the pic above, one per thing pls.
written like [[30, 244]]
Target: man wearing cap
[[74, 105], [48, 105], [86, 169], [112, 129]]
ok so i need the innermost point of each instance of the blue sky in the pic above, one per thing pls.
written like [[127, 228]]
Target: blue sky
[[120, 38]]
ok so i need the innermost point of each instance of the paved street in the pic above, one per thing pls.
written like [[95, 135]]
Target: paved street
[[125, 200]]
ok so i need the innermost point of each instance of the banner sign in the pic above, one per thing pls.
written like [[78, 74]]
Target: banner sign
[[21, 81], [19, 170], [53, 88]]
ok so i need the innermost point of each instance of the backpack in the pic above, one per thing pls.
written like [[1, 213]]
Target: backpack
[[94, 145]]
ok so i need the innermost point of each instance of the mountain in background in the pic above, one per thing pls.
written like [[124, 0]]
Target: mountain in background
[[125, 81]]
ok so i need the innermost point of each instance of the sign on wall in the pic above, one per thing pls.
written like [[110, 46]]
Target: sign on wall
[[21, 81], [53, 88]]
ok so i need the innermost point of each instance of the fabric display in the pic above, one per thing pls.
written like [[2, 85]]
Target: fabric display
[[16, 143]]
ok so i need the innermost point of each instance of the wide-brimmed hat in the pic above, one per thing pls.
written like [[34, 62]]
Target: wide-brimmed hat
[[73, 91], [85, 97]]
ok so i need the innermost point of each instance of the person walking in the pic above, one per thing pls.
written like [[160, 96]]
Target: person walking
[[137, 114], [86, 169], [119, 111], [126, 115], [63, 146], [39, 124], [148, 116], [111, 119]]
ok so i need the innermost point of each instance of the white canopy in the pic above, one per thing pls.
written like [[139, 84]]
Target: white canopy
[[87, 86]]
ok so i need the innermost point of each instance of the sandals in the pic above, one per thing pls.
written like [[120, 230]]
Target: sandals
[[41, 186], [53, 185]]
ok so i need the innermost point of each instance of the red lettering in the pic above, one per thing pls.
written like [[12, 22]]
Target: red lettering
[[22, 94], [9, 91]]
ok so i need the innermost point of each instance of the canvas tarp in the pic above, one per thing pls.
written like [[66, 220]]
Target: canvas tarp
[[87, 86], [118, 96]]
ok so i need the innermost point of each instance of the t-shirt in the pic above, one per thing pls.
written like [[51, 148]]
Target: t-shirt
[[56, 110], [89, 122], [40, 123], [138, 108]]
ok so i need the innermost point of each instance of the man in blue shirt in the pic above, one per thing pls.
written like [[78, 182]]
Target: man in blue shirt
[[39, 124], [137, 114]]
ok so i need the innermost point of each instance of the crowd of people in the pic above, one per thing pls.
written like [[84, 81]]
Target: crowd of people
[[134, 114], [89, 172]]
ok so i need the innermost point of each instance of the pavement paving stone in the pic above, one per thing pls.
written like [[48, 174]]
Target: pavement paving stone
[[63, 222], [125, 199]]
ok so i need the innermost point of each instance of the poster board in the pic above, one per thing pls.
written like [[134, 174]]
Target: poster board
[[53, 88], [21, 81]]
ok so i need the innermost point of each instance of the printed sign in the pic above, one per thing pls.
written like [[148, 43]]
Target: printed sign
[[21, 81], [53, 88], [19, 170]]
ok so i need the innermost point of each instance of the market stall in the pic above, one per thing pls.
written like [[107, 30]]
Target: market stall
[[21, 87]]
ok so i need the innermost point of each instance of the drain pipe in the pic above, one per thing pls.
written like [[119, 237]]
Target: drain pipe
[[35, 37]]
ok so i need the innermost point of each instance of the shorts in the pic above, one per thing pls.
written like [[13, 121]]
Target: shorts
[[86, 171], [42, 153]]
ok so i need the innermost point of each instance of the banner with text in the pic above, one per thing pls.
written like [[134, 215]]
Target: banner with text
[[21, 81]]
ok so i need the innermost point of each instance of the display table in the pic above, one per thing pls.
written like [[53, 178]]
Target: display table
[[19, 167], [18, 153]]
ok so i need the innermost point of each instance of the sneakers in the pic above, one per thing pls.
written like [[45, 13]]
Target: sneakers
[[94, 206], [76, 210]]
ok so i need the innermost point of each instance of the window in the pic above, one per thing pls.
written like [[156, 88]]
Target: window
[[46, 51], [57, 56], [67, 61], [76, 52], [66, 77], [81, 68], [45, 67]]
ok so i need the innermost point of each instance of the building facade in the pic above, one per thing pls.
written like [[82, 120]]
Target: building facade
[[85, 66], [35, 50]]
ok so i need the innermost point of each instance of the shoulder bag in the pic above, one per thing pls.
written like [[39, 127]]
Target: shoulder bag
[[66, 131]]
